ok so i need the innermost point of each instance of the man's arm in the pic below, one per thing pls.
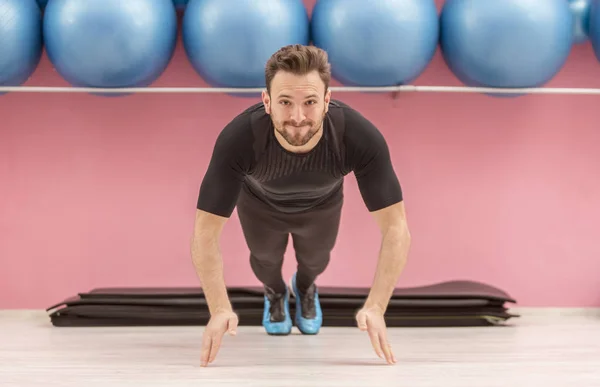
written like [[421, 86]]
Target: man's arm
[[207, 260], [395, 244], [231, 159], [369, 157]]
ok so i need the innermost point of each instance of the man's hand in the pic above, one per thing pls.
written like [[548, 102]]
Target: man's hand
[[371, 320], [217, 326]]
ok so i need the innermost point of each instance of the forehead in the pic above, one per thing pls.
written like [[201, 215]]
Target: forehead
[[297, 85]]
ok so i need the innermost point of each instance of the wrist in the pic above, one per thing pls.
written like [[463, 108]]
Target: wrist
[[374, 305], [225, 308]]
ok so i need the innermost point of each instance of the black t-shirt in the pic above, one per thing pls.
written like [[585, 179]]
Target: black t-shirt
[[248, 156]]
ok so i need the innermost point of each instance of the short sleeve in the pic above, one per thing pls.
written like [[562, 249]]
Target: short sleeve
[[368, 156], [229, 164]]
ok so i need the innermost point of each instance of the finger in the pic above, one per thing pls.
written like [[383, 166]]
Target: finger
[[387, 348], [206, 345], [393, 357], [232, 325], [375, 342], [385, 345], [214, 349], [361, 320]]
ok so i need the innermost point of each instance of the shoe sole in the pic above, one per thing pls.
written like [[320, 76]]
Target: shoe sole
[[279, 334]]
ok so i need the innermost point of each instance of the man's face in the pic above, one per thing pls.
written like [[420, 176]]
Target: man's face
[[297, 106]]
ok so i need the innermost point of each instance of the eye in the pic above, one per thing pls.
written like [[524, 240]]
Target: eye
[[284, 102], [311, 102]]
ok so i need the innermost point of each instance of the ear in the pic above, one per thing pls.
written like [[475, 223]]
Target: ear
[[327, 99], [266, 101]]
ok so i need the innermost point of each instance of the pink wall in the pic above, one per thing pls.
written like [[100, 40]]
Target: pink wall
[[101, 191]]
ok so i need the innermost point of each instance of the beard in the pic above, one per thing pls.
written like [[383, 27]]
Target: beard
[[286, 130]]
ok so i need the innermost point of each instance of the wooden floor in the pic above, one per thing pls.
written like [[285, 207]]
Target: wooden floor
[[539, 350]]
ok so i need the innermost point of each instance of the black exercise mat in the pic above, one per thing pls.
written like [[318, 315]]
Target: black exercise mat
[[463, 321], [459, 289], [176, 315], [258, 302], [126, 311], [451, 303], [466, 320]]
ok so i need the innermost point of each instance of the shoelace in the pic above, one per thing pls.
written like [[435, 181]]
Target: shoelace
[[276, 301], [308, 300]]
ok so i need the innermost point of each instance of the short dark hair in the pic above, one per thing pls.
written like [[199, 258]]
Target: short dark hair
[[298, 59]]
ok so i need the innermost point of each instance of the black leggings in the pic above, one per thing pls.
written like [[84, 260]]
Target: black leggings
[[267, 231]]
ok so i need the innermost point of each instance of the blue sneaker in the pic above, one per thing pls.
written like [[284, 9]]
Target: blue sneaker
[[309, 316], [276, 314]]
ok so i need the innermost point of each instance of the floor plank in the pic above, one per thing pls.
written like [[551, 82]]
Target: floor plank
[[550, 350]]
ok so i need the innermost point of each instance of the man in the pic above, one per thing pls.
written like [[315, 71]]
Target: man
[[282, 163]]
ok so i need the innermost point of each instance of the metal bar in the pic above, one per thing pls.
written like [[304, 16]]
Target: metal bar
[[343, 89]]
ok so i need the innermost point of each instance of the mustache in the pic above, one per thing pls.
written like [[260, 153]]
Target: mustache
[[297, 125]]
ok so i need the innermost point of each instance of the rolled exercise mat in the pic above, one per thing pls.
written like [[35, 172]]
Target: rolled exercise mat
[[451, 303], [458, 289], [164, 315], [175, 308]]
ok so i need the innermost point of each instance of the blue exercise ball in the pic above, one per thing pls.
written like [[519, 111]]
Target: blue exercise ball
[[594, 27], [229, 44], [110, 43], [384, 44], [180, 4], [20, 40], [506, 43], [581, 18]]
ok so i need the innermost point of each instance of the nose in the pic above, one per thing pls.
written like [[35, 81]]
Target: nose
[[297, 114]]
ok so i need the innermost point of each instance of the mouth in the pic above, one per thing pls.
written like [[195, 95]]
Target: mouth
[[298, 128]]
